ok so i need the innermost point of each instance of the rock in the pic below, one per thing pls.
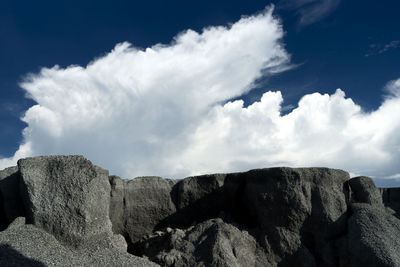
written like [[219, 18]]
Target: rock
[[298, 213], [298, 210], [68, 197], [11, 205], [263, 217], [373, 237], [210, 243], [28, 245], [139, 205], [364, 191], [18, 222], [391, 199], [197, 199]]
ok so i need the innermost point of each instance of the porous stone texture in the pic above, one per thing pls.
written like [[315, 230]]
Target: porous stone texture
[[28, 245], [68, 197], [137, 206], [364, 190], [373, 230], [210, 243], [373, 237], [65, 211], [296, 215]]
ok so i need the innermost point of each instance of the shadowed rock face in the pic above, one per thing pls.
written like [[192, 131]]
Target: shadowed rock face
[[263, 217], [11, 205], [66, 203]]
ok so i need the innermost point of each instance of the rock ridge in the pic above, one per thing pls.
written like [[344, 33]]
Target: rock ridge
[[264, 217]]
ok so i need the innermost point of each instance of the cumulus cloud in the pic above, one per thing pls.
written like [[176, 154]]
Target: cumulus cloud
[[166, 111], [132, 109], [324, 130]]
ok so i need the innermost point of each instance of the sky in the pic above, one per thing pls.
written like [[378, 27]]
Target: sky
[[179, 88]]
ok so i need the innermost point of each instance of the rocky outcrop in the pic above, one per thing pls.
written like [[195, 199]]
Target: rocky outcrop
[[263, 217], [373, 230], [137, 205], [65, 202]]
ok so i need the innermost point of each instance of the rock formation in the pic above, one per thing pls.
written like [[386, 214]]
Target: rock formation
[[63, 210]]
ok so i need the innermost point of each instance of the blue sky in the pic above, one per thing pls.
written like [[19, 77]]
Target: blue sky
[[330, 44]]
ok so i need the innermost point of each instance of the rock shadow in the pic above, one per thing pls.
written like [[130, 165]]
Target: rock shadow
[[11, 257]]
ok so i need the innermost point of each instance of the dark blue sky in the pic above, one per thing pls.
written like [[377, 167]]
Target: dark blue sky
[[354, 45]]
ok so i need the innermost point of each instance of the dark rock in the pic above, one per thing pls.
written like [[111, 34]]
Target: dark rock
[[264, 217], [68, 197], [391, 198], [11, 205], [364, 191], [298, 210], [18, 222], [210, 243], [373, 237], [137, 206], [298, 213]]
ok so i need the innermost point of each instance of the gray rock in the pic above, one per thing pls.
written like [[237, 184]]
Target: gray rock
[[11, 205], [297, 213], [264, 217], [373, 237], [28, 245], [210, 243], [18, 222], [68, 197], [300, 211], [364, 191], [391, 199], [139, 205]]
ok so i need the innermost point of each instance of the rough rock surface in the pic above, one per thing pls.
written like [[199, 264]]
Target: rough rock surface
[[67, 196], [373, 231], [138, 205], [210, 243], [28, 245], [77, 215]]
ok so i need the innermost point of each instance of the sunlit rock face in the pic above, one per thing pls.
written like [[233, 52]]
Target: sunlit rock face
[[263, 217]]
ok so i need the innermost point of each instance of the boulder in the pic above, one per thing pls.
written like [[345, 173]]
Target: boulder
[[210, 243], [373, 237], [69, 198], [364, 191], [139, 205], [299, 212]]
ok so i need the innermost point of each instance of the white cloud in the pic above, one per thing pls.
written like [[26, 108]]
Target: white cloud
[[132, 109], [324, 130], [393, 89], [160, 111]]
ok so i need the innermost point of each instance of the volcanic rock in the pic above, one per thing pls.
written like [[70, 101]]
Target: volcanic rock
[[63, 210]]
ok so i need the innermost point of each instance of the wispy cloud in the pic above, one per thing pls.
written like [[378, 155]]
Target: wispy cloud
[[376, 49], [310, 11]]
